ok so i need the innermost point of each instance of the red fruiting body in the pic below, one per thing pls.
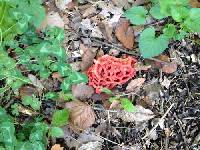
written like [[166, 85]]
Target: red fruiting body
[[109, 71]]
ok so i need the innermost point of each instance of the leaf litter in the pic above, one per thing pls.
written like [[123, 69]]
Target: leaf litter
[[155, 87]]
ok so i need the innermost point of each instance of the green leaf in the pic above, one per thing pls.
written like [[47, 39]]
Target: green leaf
[[137, 15], [66, 85], [32, 101], [56, 132], [52, 95], [179, 13], [38, 145], [106, 90], [193, 21], [155, 12], [66, 96], [60, 117], [7, 133], [170, 31], [77, 77], [36, 136], [127, 105], [15, 109], [150, 45]]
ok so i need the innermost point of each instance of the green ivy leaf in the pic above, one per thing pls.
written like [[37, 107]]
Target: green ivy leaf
[[127, 105], [56, 132], [66, 85], [137, 15], [77, 77], [36, 136], [7, 133], [150, 45], [60, 117], [38, 145]]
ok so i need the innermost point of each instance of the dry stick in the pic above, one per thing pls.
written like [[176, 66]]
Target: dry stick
[[127, 52], [161, 120]]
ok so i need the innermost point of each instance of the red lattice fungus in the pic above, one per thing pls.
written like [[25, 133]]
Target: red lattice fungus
[[109, 71]]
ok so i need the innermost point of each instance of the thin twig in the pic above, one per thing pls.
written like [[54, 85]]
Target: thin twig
[[161, 120], [124, 51]]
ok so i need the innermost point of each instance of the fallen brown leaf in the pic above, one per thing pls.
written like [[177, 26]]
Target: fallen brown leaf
[[82, 115], [89, 11], [135, 83], [57, 147], [54, 19], [125, 34], [36, 82], [87, 57], [195, 3], [170, 67], [82, 91], [27, 91]]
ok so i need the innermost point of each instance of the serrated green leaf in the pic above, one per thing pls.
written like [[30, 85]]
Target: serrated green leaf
[[150, 45], [56, 132], [127, 105], [52, 95], [137, 15], [60, 117], [32, 101], [170, 31], [193, 21], [156, 13]]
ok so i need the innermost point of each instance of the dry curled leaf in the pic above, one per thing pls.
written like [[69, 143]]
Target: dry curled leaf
[[87, 57], [134, 84], [170, 67], [140, 115], [57, 147], [82, 91], [125, 34], [82, 115], [89, 11]]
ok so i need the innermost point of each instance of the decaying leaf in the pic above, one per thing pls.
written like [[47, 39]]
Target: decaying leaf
[[54, 19], [135, 83], [57, 147], [125, 34], [82, 115], [89, 11], [82, 91], [140, 115], [91, 146], [166, 82], [36, 82], [61, 4], [170, 67], [26, 111], [27, 91], [87, 57]]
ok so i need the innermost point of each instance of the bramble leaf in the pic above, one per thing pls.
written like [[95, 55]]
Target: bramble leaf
[[60, 117]]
